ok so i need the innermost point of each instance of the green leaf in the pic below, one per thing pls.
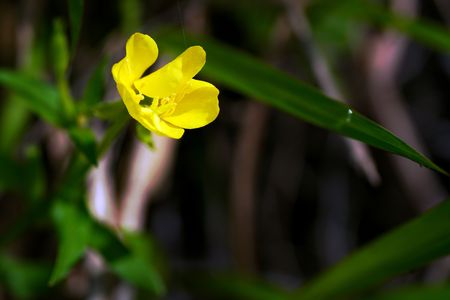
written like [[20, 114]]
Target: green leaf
[[10, 173], [109, 110], [29, 173], [421, 30], [436, 292], [75, 15], [410, 246], [130, 15], [424, 31], [60, 50], [13, 120], [117, 114], [74, 231], [231, 286], [34, 174], [84, 140], [143, 268], [23, 279], [38, 96], [94, 89], [135, 260], [145, 136], [253, 78]]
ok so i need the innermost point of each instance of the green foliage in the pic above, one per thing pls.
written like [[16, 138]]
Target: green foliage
[[13, 118], [135, 257], [131, 15], [435, 292], [29, 172], [255, 79], [60, 50], [84, 140], [144, 267], [231, 286], [74, 231], [412, 245], [145, 136], [94, 89], [23, 279], [75, 15], [109, 110], [39, 96], [333, 19]]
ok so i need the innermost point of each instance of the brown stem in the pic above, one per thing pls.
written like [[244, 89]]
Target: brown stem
[[321, 69], [383, 62], [243, 186]]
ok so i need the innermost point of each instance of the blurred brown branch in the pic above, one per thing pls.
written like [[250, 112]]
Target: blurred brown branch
[[383, 60]]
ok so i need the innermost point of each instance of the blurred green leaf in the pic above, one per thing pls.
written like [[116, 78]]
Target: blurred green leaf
[[14, 114], [23, 279], [109, 110], [143, 267], [231, 286], [94, 89], [130, 15], [14, 175], [145, 136], [412, 245], [34, 174], [37, 95], [436, 292], [424, 31], [14, 117], [336, 26], [74, 231], [84, 140], [349, 11], [249, 76], [60, 50], [75, 15], [113, 131], [135, 259], [60, 60], [10, 173]]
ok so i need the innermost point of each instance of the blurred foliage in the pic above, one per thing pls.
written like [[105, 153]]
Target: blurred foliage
[[61, 86]]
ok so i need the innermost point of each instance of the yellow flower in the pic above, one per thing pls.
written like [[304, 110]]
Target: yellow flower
[[168, 100]]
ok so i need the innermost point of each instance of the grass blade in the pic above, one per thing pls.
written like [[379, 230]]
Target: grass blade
[[253, 78], [412, 245]]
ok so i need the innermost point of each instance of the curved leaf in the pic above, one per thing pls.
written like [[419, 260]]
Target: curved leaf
[[412, 245], [249, 76], [38, 96], [436, 292]]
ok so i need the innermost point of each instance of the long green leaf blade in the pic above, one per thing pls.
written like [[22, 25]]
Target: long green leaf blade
[[251, 77], [74, 231], [412, 245], [424, 31], [436, 292], [84, 140], [75, 15], [24, 279], [231, 286], [38, 96]]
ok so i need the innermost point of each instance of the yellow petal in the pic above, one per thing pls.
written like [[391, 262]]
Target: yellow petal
[[168, 79], [130, 99], [150, 120], [197, 108], [141, 53]]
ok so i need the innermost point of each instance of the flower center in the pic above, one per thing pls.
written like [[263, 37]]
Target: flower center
[[162, 106]]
